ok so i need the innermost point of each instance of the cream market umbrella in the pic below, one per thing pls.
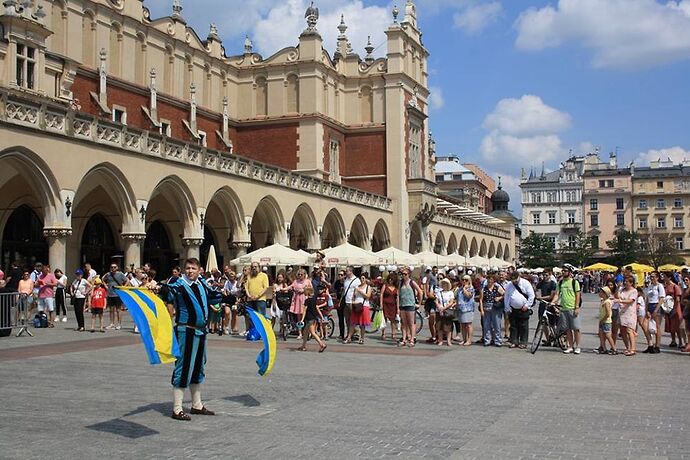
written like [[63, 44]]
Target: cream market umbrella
[[348, 254], [478, 261], [273, 255], [395, 256], [498, 263], [211, 260], [431, 258]]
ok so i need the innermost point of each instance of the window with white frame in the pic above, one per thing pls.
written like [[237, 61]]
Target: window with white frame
[[552, 217], [571, 241], [550, 197], [334, 160], [643, 222], [678, 222], [536, 218], [551, 239], [660, 203], [620, 219], [642, 204], [26, 66], [594, 220], [661, 222], [679, 243], [119, 114], [536, 197], [677, 202], [415, 149], [593, 204], [571, 217], [620, 203], [166, 129]]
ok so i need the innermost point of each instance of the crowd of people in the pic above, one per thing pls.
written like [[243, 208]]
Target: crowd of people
[[505, 301]]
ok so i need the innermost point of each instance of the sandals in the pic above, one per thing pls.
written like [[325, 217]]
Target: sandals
[[181, 416], [322, 348], [431, 340], [612, 352], [629, 353], [302, 349], [360, 341], [402, 343]]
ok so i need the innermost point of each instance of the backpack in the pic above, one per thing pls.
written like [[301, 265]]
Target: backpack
[[580, 291], [40, 320]]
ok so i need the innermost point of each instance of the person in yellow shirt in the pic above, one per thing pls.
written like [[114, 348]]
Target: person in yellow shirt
[[257, 287]]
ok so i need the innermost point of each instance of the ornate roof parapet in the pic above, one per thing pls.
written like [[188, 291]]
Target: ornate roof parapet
[[342, 47], [248, 46], [410, 14], [24, 9], [395, 12], [369, 58], [213, 33]]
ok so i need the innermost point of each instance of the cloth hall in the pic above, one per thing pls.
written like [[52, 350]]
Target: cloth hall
[[124, 135]]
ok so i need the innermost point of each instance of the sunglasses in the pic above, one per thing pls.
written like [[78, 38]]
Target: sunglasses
[[406, 274]]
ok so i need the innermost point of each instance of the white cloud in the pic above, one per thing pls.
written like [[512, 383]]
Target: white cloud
[[436, 100], [498, 147], [676, 154], [527, 116], [475, 18], [621, 33], [282, 25]]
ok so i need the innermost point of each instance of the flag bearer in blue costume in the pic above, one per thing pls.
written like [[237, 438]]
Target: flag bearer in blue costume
[[190, 297]]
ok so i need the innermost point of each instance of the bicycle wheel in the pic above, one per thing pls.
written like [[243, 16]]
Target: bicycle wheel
[[418, 321], [330, 326], [562, 341], [536, 340]]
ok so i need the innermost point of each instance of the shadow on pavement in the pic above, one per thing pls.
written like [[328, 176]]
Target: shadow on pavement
[[123, 428]]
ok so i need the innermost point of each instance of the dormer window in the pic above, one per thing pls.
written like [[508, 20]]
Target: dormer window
[[202, 138], [119, 115], [26, 66]]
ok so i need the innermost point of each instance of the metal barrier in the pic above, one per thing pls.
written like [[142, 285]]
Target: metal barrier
[[14, 312]]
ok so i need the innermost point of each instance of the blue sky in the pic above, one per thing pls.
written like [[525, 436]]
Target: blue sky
[[515, 82]]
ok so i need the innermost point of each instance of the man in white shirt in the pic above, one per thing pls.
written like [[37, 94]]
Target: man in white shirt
[[351, 282], [518, 302]]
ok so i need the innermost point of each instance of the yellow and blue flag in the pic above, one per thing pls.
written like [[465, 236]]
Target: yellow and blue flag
[[154, 323], [267, 356]]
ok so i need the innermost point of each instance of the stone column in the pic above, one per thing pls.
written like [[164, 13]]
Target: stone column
[[57, 247], [191, 246], [134, 243], [240, 248]]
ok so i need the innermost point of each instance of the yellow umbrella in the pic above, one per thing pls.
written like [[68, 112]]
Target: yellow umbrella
[[600, 266], [670, 268], [640, 267]]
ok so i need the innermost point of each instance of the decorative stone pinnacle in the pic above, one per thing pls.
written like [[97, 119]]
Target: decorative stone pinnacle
[[192, 89], [369, 49], [396, 12], [177, 8], [342, 27], [248, 46], [213, 32], [152, 73]]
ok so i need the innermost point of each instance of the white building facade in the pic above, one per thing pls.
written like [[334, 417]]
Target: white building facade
[[552, 202]]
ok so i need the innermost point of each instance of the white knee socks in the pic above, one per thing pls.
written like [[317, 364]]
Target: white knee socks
[[178, 394], [196, 396]]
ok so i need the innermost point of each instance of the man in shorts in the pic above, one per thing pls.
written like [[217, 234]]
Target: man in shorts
[[568, 292], [257, 287], [46, 283], [113, 279]]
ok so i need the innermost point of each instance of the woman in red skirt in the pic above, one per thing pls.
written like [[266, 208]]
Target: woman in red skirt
[[361, 309], [390, 304]]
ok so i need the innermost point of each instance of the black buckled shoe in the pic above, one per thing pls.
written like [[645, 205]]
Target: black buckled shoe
[[181, 416], [202, 411]]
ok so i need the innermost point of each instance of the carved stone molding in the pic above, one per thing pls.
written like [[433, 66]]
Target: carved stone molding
[[57, 232], [187, 242], [134, 237]]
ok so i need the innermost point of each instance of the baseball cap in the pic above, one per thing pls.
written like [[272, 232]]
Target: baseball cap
[[79, 272]]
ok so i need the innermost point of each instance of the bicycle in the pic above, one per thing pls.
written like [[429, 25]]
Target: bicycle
[[549, 322]]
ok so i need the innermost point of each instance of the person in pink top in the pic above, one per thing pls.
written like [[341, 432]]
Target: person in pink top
[[298, 286], [628, 314], [46, 283]]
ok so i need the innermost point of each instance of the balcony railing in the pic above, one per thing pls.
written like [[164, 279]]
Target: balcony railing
[[52, 117]]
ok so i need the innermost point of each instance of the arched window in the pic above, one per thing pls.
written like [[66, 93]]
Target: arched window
[[366, 105], [261, 97], [169, 76], [23, 240], [98, 243], [140, 59], [292, 94], [88, 30], [114, 56], [58, 20]]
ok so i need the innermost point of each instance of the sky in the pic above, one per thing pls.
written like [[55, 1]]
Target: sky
[[515, 83]]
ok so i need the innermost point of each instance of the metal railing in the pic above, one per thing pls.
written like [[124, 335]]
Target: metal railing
[[14, 313]]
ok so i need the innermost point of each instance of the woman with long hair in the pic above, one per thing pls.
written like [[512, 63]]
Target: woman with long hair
[[390, 303], [361, 309], [627, 299], [410, 296]]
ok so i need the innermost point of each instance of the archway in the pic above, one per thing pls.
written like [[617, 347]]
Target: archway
[[482, 248], [210, 240], [303, 229], [506, 254], [474, 247], [464, 248], [440, 243], [333, 231], [415, 238], [452, 244], [492, 250], [267, 224], [382, 239], [98, 244], [499, 251], [158, 249], [225, 217], [23, 240], [359, 233]]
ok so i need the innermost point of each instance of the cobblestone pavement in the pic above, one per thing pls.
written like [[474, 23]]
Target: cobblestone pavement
[[80, 395]]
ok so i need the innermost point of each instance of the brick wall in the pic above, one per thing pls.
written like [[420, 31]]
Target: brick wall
[[364, 155], [272, 144], [377, 186]]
